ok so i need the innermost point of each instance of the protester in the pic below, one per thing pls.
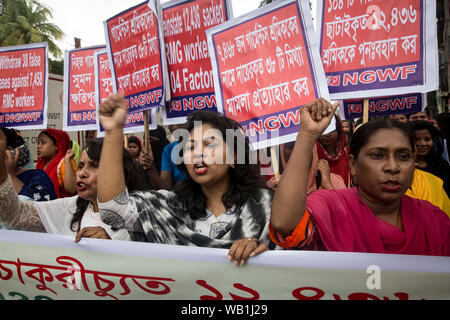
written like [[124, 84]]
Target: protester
[[348, 126], [319, 176], [29, 184], [76, 216], [218, 205], [429, 151], [134, 147], [332, 147], [422, 115], [401, 117], [375, 216], [56, 158]]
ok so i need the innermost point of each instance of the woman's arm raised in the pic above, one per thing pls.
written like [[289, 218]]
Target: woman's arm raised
[[111, 179], [289, 202]]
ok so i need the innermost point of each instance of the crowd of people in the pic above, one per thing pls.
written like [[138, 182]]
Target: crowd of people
[[376, 187]]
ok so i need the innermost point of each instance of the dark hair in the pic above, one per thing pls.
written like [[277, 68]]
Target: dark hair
[[245, 178], [443, 121], [133, 180], [13, 140], [361, 136], [134, 139], [438, 143], [158, 145]]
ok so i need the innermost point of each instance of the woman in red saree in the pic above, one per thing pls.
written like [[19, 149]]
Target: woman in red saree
[[55, 157], [375, 216]]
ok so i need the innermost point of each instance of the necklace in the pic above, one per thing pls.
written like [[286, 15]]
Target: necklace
[[218, 220]]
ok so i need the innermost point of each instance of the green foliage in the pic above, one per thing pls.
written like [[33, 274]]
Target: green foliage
[[26, 21], [56, 66]]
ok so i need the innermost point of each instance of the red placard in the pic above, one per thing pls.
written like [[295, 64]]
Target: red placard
[[23, 86], [79, 89], [265, 69], [189, 65], [134, 47]]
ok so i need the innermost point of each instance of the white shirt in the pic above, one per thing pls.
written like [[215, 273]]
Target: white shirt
[[56, 216], [210, 226]]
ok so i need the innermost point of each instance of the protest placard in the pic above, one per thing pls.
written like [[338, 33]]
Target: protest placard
[[79, 89], [104, 89], [23, 86], [374, 48], [189, 65], [266, 65], [135, 48], [383, 106], [45, 266]]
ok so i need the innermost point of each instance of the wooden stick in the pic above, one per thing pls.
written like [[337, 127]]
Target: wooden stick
[[366, 111], [147, 146], [125, 141], [275, 164]]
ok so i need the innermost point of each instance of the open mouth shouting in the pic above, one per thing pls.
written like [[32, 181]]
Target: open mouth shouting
[[200, 168], [81, 186]]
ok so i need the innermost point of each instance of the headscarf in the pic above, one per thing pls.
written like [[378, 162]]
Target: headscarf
[[339, 163], [62, 144], [76, 150], [134, 139]]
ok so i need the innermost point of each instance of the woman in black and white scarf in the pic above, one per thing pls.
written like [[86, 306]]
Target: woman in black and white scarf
[[219, 205]]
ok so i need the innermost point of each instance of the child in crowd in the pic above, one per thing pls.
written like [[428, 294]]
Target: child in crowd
[[55, 157]]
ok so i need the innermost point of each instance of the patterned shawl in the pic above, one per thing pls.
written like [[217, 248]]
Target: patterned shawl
[[163, 220]]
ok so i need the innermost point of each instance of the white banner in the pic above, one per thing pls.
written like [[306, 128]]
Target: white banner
[[44, 266]]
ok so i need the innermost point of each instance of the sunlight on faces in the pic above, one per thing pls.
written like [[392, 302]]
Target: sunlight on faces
[[384, 168], [86, 177]]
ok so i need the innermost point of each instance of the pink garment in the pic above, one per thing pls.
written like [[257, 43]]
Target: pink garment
[[345, 223]]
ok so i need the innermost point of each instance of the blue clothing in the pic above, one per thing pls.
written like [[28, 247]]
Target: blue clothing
[[445, 153], [37, 185], [168, 165]]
